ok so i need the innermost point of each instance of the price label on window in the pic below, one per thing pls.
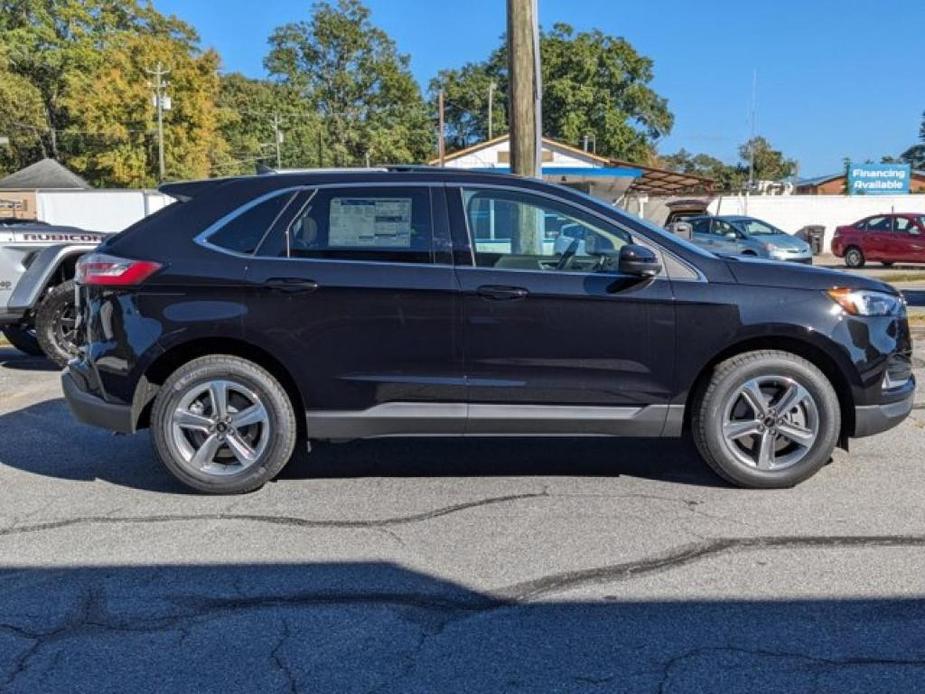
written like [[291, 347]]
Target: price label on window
[[370, 222]]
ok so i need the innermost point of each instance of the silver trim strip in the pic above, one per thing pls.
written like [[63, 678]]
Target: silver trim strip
[[461, 419]]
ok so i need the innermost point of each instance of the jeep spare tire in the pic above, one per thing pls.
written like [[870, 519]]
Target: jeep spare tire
[[56, 324]]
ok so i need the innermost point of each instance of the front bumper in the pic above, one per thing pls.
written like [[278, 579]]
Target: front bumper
[[875, 419], [8, 317], [93, 410], [787, 257]]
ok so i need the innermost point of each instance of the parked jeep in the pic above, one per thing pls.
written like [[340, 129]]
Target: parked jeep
[[37, 312]]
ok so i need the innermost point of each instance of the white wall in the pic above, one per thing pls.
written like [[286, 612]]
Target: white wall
[[793, 212], [98, 210], [487, 157]]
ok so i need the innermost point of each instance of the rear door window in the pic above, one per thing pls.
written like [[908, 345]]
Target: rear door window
[[375, 224]]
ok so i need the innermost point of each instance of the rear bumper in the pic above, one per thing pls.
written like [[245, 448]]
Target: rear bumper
[[93, 410], [874, 419]]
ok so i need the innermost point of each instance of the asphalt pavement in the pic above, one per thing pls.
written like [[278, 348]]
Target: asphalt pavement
[[432, 565]]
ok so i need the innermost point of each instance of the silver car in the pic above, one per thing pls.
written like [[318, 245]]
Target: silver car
[[740, 235]]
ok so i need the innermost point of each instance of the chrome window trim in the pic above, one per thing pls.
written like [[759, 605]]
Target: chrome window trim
[[202, 239], [663, 275]]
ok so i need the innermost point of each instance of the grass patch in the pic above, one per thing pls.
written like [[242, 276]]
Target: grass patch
[[901, 276]]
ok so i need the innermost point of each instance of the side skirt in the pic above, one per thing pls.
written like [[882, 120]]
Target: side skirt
[[460, 419]]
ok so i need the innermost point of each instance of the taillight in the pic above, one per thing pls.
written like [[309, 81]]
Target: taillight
[[108, 270]]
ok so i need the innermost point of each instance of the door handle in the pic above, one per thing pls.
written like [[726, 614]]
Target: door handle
[[291, 285], [499, 293]]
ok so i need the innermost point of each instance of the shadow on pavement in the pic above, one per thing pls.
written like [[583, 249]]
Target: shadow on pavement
[[362, 627], [14, 359], [43, 439]]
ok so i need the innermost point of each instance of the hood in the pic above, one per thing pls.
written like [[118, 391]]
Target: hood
[[784, 241], [768, 273]]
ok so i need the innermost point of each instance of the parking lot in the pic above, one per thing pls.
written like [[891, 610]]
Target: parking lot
[[452, 565]]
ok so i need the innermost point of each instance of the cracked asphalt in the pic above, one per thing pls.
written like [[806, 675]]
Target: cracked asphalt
[[587, 565]]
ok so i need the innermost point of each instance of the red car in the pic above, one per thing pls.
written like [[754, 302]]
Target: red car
[[888, 238]]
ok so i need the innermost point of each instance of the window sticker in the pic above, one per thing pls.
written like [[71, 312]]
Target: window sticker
[[370, 222]]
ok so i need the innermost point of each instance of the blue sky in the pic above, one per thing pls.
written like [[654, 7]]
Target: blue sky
[[836, 78]]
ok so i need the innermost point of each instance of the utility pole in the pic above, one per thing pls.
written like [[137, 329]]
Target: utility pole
[[441, 138], [752, 128], [278, 140], [491, 109], [524, 89], [159, 86]]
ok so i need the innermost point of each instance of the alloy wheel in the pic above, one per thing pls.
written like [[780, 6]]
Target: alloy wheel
[[65, 327], [220, 427], [770, 423]]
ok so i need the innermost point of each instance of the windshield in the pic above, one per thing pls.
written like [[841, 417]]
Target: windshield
[[755, 227]]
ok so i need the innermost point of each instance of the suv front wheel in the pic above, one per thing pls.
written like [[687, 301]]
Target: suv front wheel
[[223, 425], [767, 420]]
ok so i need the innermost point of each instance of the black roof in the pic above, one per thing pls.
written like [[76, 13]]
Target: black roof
[[186, 190], [46, 173]]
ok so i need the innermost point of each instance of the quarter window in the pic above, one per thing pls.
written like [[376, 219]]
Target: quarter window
[[512, 230], [371, 224], [244, 231]]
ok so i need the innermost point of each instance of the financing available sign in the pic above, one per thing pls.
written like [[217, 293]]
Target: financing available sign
[[879, 179]]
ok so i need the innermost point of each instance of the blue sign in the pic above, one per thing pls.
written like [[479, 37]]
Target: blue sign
[[879, 179]]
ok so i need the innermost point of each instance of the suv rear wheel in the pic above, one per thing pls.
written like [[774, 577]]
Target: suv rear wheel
[[854, 257], [223, 425], [767, 420]]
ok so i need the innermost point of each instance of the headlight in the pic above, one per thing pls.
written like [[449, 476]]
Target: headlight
[[864, 302]]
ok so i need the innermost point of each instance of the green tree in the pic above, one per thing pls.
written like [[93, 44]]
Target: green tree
[[915, 155], [86, 60], [22, 119], [249, 108], [593, 84], [729, 177], [362, 88], [466, 95], [769, 164]]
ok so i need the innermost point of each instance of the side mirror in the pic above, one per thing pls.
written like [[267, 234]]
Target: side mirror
[[639, 260], [731, 235]]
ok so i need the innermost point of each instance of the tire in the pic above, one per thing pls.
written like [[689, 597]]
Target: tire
[[269, 442], [23, 338], [723, 409], [854, 257], [55, 324]]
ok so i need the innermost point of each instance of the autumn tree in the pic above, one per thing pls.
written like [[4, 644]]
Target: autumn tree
[[86, 60], [352, 74]]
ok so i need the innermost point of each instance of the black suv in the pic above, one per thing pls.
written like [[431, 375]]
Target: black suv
[[336, 305]]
